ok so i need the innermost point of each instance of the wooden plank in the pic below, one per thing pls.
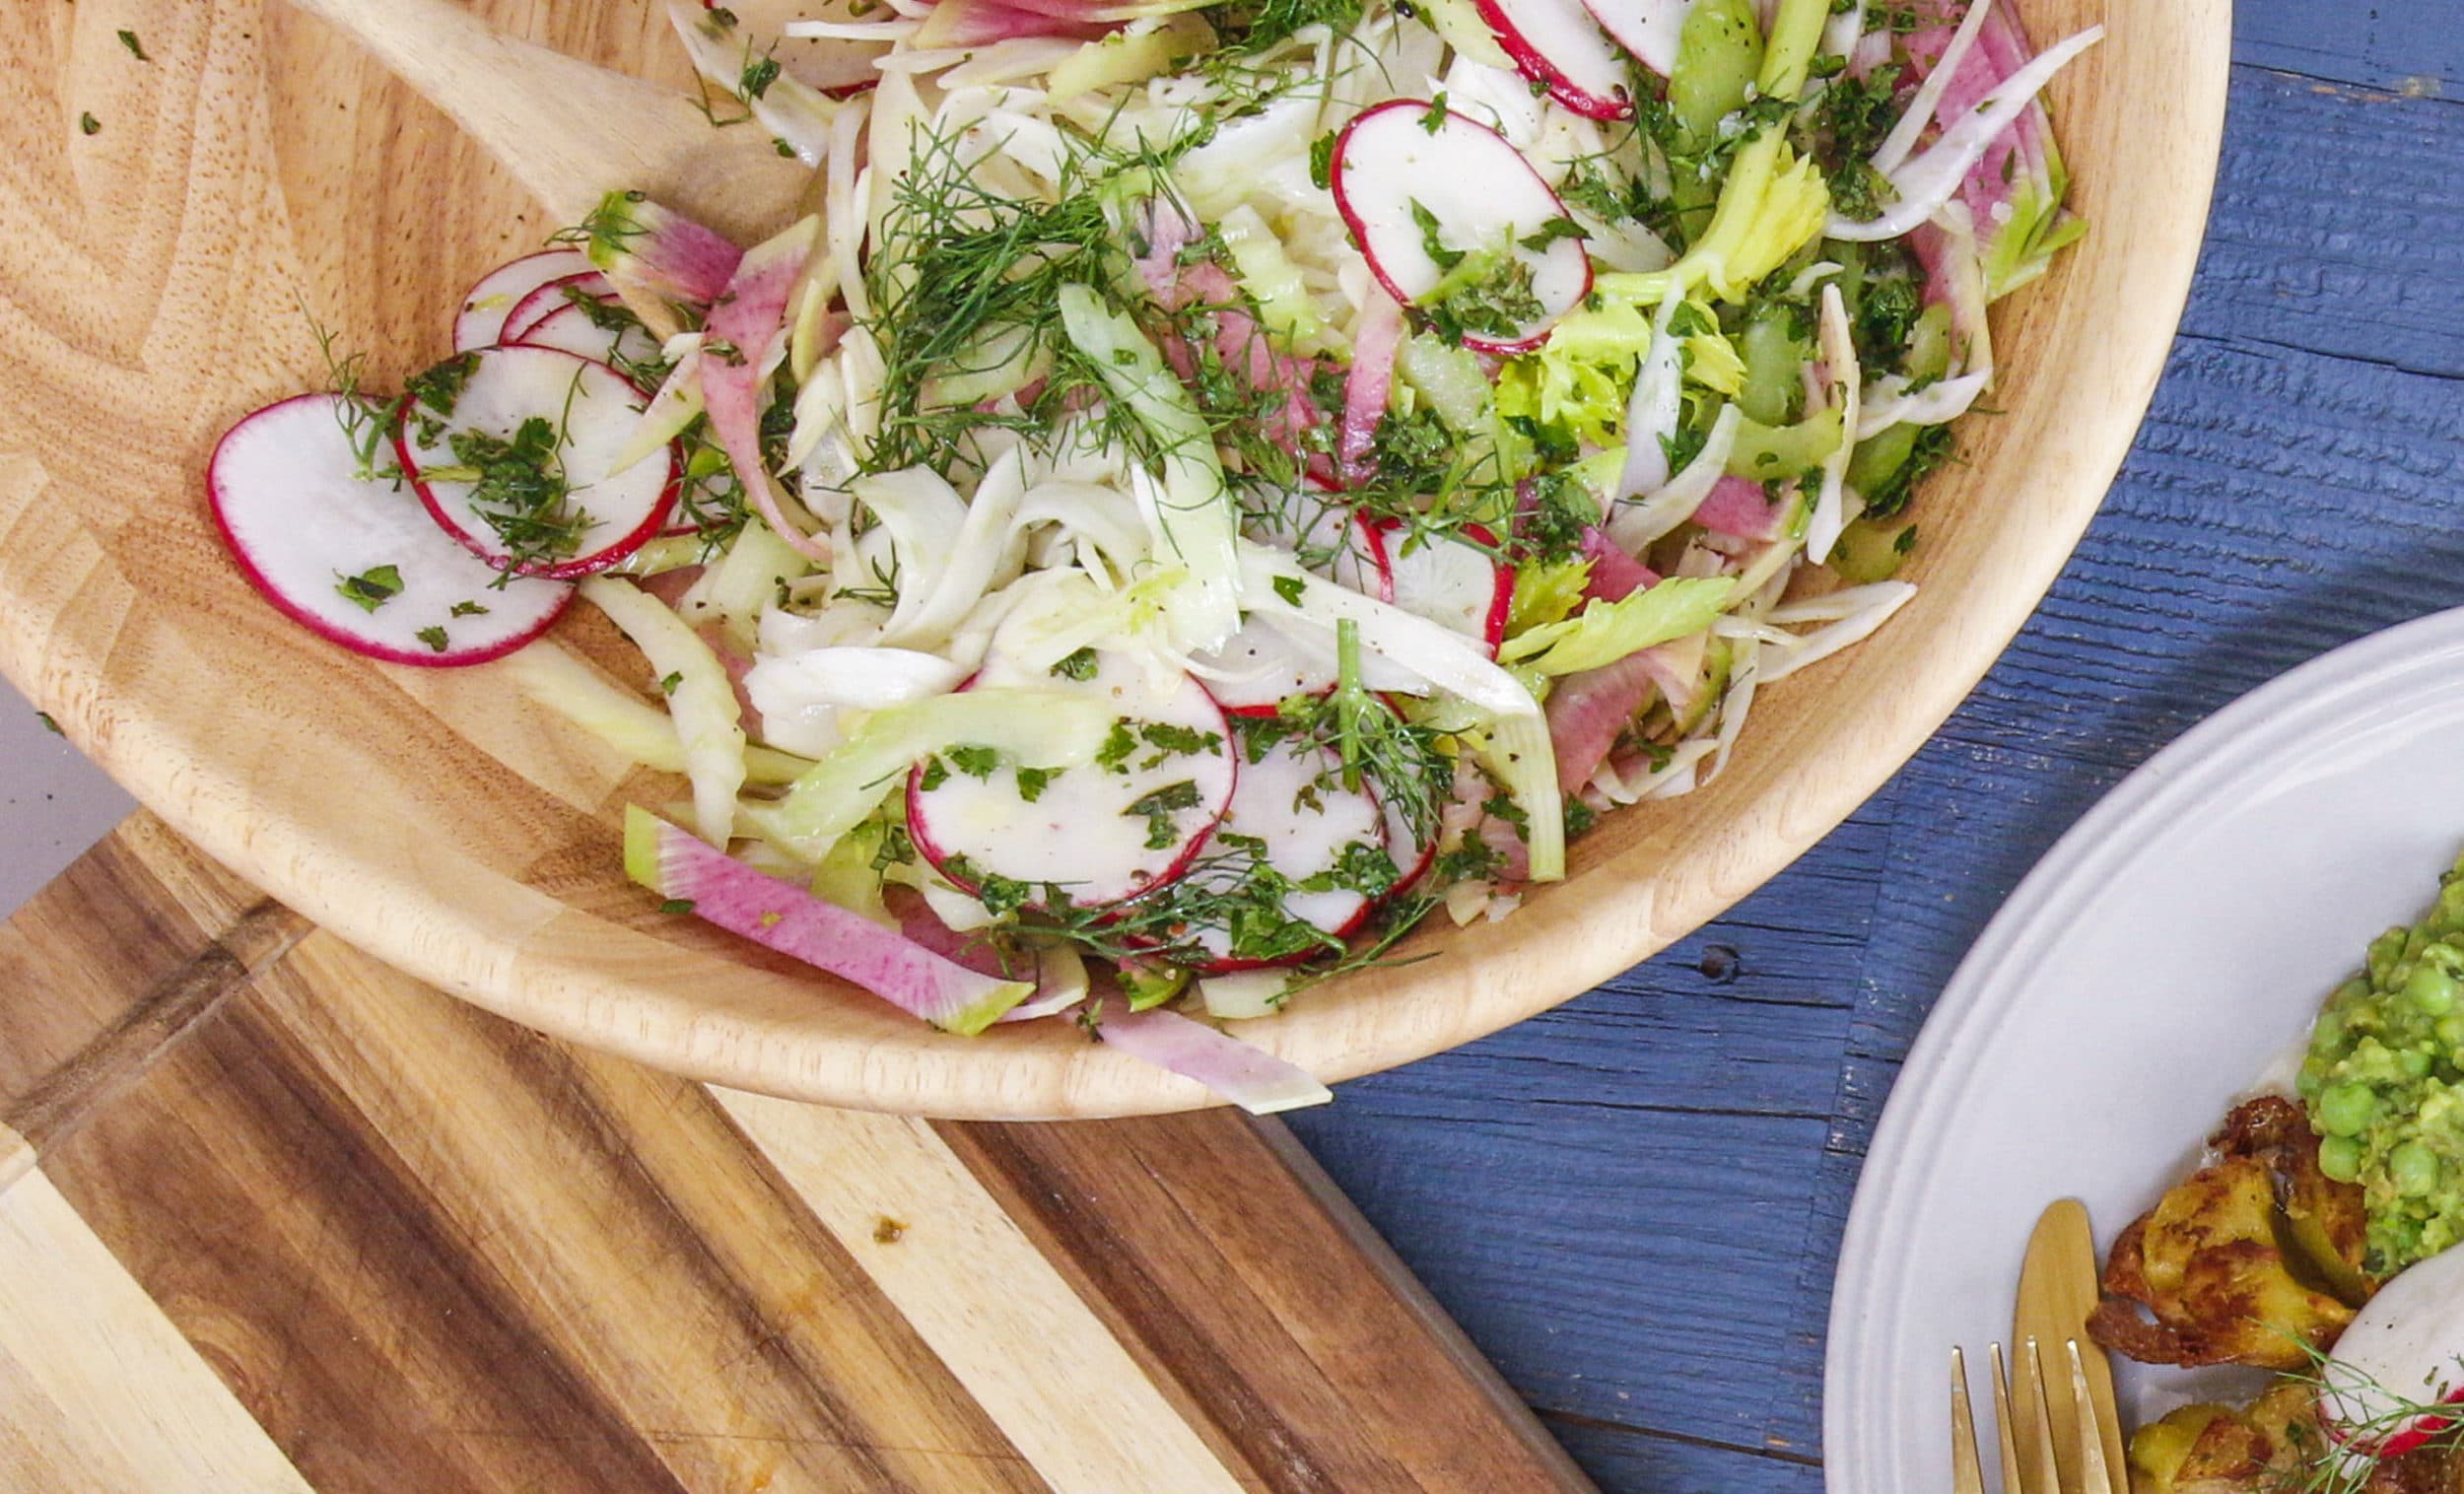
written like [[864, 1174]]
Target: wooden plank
[[425, 1247], [98, 1392], [973, 1285], [1166, 1228]]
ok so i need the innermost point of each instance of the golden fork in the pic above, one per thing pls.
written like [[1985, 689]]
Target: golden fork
[[2029, 1464]]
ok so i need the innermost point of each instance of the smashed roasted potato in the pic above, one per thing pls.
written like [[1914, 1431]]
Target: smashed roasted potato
[[2273, 1447], [2255, 1258]]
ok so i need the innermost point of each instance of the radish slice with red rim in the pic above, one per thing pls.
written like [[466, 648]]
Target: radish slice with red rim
[[1125, 823], [1651, 29], [489, 397], [1293, 823], [1452, 581], [546, 301], [1407, 173], [360, 562], [1559, 45], [570, 328], [481, 321]]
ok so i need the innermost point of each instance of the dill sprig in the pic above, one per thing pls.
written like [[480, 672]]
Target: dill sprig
[[368, 422], [2324, 1466]]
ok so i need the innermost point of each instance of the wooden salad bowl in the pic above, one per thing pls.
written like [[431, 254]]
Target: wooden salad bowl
[[256, 179]]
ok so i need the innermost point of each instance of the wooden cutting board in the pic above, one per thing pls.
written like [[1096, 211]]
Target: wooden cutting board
[[276, 1217]]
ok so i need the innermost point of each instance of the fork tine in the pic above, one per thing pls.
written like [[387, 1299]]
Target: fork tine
[[2093, 1476], [2006, 1429], [2044, 1472], [1966, 1477]]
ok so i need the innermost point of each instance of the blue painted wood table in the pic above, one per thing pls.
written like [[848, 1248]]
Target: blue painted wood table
[[1634, 1203]]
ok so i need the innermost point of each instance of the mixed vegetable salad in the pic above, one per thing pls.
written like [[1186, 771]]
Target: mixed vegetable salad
[[1215, 483]]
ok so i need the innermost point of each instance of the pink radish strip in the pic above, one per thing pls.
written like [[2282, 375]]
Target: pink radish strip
[[1559, 45], [1482, 194], [981, 23], [593, 409], [1250, 1078], [748, 318], [481, 321], [1588, 712], [285, 491], [723, 891], [1240, 342], [571, 328], [661, 250], [1370, 384], [1102, 831], [548, 300], [923, 926], [1739, 506]]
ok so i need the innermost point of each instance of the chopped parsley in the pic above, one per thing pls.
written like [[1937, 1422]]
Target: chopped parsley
[[1160, 806], [439, 387], [676, 905], [370, 588], [89, 124], [136, 48], [668, 682], [434, 639], [1290, 588], [469, 609], [1033, 781], [1080, 666], [975, 762], [1119, 744]]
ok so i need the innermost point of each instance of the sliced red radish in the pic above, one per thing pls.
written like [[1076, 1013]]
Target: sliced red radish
[[1125, 823], [1483, 196], [718, 889], [1291, 802], [481, 320], [1452, 581], [1559, 45], [2400, 1350], [591, 410], [1336, 541], [360, 562], [1648, 29], [571, 328], [546, 301], [1412, 852]]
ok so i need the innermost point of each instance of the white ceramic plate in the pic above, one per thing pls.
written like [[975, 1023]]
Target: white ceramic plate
[[2170, 948]]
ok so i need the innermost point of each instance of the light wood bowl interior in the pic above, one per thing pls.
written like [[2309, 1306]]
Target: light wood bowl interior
[[158, 279]]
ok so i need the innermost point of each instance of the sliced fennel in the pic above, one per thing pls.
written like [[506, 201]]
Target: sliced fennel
[[702, 700], [1605, 632]]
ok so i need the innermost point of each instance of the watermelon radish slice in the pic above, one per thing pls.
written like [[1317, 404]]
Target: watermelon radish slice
[[1293, 801], [489, 396], [717, 888], [1125, 823], [571, 328], [1559, 45], [546, 301], [2400, 1350], [1250, 1078], [1483, 196], [359, 561], [1451, 583], [481, 321], [1648, 29]]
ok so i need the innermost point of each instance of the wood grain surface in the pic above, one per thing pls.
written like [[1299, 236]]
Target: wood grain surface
[[281, 1218], [256, 179], [1677, 1150]]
